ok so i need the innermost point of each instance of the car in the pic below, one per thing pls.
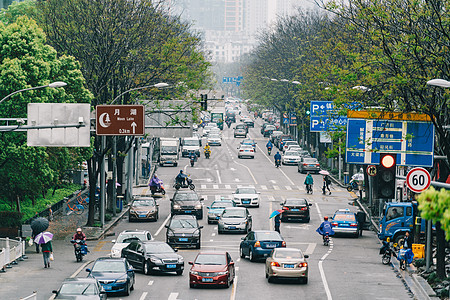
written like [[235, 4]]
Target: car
[[114, 274], [274, 134], [186, 202], [246, 151], [153, 256], [80, 288], [259, 243], [217, 207], [295, 208], [345, 222], [214, 140], [249, 123], [215, 130], [290, 158], [143, 208], [308, 164], [183, 231], [235, 219], [268, 130], [289, 143], [279, 140], [294, 147], [208, 128], [287, 263], [246, 196], [240, 130], [212, 268], [264, 126], [249, 142], [126, 237]]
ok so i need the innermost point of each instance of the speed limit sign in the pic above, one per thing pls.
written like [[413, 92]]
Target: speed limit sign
[[418, 180]]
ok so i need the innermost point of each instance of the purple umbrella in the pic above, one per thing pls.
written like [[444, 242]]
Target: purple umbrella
[[43, 237]]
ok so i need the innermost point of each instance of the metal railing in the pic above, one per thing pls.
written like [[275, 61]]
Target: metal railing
[[11, 252]]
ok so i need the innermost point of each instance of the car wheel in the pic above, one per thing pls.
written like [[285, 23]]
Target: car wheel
[[252, 256], [198, 245], [175, 164], [241, 252], [127, 290], [227, 285], [219, 231], [239, 156], [267, 275], [146, 268], [305, 280], [200, 216], [270, 279], [180, 272], [191, 285]]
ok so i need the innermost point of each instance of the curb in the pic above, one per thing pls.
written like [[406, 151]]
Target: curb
[[109, 226]]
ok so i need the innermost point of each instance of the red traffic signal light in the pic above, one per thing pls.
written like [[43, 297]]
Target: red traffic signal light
[[387, 161]]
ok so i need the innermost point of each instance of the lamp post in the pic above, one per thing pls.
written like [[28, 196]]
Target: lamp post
[[55, 84]]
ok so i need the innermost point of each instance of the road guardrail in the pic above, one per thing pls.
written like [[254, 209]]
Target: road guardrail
[[11, 252]]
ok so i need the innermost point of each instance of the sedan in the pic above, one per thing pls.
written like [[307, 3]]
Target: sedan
[[126, 237], [249, 142], [249, 123], [246, 150], [153, 256], [212, 268], [345, 222], [308, 164], [235, 219], [80, 288], [217, 208], [268, 130], [114, 274], [186, 202], [295, 209], [289, 143], [260, 243], [290, 158], [287, 263], [214, 139], [275, 134], [246, 196], [143, 208], [183, 231]]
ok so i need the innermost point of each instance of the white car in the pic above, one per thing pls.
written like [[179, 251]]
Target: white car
[[246, 196], [126, 237], [289, 143], [214, 140], [291, 157], [246, 150], [207, 129], [215, 130]]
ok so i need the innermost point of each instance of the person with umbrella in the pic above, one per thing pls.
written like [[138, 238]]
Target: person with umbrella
[[38, 225], [277, 221], [45, 240], [326, 185]]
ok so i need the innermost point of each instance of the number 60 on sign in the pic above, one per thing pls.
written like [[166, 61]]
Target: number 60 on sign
[[418, 180]]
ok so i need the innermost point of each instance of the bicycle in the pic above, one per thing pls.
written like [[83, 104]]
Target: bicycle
[[76, 208], [82, 200]]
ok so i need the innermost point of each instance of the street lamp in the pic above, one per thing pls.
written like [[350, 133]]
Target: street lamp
[[157, 85], [55, 84], [439, 82]]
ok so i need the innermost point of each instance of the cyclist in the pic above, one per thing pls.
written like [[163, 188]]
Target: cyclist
[[309, 181]]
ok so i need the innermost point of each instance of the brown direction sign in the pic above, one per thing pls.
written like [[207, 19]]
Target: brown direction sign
[[119, 120], [372, 170]]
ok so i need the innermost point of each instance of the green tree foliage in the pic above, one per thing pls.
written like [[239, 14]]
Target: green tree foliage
[[18, 9], [435, 205], [26, 61]]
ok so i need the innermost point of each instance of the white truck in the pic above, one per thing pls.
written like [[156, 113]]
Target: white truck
[[169, 151], [190, 144]]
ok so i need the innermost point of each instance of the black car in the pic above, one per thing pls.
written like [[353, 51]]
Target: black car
[[295, 209], [80, 288], [114, 274], [183, 231], [186, 202], [150, 256], [249, 123]]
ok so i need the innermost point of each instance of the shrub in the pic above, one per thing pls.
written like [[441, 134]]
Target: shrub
[[10, 219], [419, 262], [108, 217]]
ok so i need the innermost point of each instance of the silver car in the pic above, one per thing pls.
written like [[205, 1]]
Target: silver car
[[308, 164], [246, 196], [235, 219]]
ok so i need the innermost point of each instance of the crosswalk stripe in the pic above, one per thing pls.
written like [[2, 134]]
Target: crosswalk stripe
[[271, 198], [263, 187], [288, 188], [227, 186], [276, 187], [203, 186], [215, 186], [217, 197]]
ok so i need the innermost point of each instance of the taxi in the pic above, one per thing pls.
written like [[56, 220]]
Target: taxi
[[344, 221]]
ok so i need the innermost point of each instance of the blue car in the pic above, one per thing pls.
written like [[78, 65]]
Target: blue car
[[217, 208], [114, 274], [344, 221], [260, 243]]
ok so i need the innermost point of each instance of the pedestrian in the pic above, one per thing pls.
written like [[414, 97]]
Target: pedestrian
[[407, 241], [47, 250], [326, 185], [277, 223], [33, 236]]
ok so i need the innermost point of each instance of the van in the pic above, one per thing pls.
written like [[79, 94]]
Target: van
[[169, 151], [190, 144]]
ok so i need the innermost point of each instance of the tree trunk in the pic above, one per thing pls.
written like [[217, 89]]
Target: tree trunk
[[92, 184], [440, 255], [18, 203]]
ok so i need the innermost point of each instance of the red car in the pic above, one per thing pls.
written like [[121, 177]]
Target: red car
[[212, 268]]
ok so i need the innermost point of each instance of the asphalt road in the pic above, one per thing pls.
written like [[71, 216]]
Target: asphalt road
[[350, 268]]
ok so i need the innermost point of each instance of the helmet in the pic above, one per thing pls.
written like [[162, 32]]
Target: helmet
[[181, 171], [78, 229], [325, 218]]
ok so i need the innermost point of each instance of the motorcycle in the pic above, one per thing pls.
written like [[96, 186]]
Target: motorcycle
[[207, 154], [277, 163], [269, 150], [157, 189], [192, 160], [326, 239], [405, 256], [228, 124], [80, 249], [387, 251], [187, 183]]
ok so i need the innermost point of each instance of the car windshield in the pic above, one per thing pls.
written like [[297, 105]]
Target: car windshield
[[270, 127], [210, 259], [170, 150], [344, 217], [222, 204], [148, 202], [109, 266], [191, 142], [295, 202], [183, 223], [214, 136], [185, 197], [268, 235], [78, 288], [129, 237], [284, 253], [291, 153], [233, 213], [310, 160], [245, 191], [158, 248]]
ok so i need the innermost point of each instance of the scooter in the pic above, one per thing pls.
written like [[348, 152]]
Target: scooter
[[80, 249], [277, 163], [186, 184], [207, 154], [157, 189], [192, 160], [269, 150], [387, 251], [326, 239]]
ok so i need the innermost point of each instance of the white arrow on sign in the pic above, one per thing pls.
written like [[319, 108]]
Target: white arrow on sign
[[134, 127]]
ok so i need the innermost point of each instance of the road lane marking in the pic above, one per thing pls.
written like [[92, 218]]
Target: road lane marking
[[276, 187], [272, 181], [173, 296], [322, 273], [215, 186], [288, 187], [237, 179], [218, 176], [203, 186], [211, 240], [263, 187], [144, 294], [150, 282], [227, 186], [162, 225], [213, 234], [75, 274], [248, 169], [233, 290], [217, 197]]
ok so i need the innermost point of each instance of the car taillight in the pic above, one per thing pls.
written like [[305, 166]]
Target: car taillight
[[305, 164], [283, 244], [257, 244], [275, 264], [317, 165], [334, 224], [304, 208], [303, 265], [285, 208], [251, 150], [353, 225]]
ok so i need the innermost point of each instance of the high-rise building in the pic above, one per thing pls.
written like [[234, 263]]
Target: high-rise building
[[234, 15]]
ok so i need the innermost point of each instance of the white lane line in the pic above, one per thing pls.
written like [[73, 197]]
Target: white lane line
[[213, 234], [216, 186], [276, 187], [263, 187], [227, 186], [248, 169], [75, 274], [144, 294], [237, 179], [273, 181], [211, 240], [288, 187], [203, 186], [322, 273], [271, 198], [150, 282], [233, 291], [173, 296], [218, 176], [162, 226]]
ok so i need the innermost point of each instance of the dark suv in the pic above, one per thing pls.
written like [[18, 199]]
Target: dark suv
[[183, 231], [186, 202], [295, 209]]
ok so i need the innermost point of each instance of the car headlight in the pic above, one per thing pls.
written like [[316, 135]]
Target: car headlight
[[222, 273], [176, 206], [121, 280], [255, 199], [170, 233], [115, 252], [237, 199], [193, 272], [180, 259], [198, 206], [196, 233], [155, 260]]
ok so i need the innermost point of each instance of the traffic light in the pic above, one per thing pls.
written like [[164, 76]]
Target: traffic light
[[204, 102], [386, 176]]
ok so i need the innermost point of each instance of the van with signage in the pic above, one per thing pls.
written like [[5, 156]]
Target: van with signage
[[169, 151], [190, 144]]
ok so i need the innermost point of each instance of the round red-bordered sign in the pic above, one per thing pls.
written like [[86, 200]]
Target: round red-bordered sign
[[418, 179]]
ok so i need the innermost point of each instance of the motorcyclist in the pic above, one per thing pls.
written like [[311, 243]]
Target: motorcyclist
[[309, 181], [277, 157], [181, 177], [228, 121], [207, 148], [269, 145], [325, 228], [155, 183], [79, 235]]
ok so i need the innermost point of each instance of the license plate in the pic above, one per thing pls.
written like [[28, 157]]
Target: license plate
[[171, 266], [271, 245], [343, 225], [289, 266], [188, 211], [311, 165], [169, 161], [142, 216], [232, 227], [207, 280], [292, 161], [107, 287], [246, 202], [183, 239], [295, 209]]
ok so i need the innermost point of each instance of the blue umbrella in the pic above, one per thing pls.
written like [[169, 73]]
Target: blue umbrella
[[276, 213]]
